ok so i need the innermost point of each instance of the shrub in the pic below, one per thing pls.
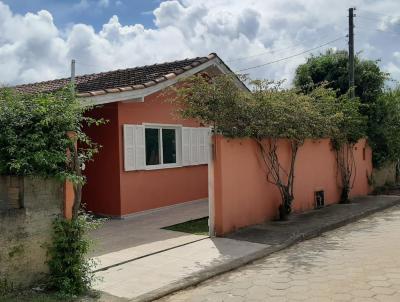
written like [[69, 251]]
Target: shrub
[[71, 271]]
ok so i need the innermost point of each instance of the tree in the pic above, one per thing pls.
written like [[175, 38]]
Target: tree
[[384, 127], [266, 115], [217, 102], [34, 140], [284, 114], [332, 68]]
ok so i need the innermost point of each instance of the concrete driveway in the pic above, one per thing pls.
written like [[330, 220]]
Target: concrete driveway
[[119, 241]]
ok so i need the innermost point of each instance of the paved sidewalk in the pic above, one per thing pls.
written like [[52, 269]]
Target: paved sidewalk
[[155, 276], [118, 241], [162, 273], [356, 263], [312, 223]]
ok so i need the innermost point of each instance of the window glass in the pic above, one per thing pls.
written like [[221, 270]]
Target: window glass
[[169, 146], [152, 146]]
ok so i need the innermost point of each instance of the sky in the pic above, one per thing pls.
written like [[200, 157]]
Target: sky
[[38, 38]]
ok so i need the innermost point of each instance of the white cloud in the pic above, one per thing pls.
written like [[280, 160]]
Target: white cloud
[[32, 48]]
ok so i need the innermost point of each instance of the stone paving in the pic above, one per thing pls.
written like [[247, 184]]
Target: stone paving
[[358, 262]]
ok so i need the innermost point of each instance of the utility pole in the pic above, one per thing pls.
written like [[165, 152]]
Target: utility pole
[[73, 76], [351, 52]]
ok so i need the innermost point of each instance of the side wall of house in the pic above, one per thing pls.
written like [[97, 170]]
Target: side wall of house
[[101, 194], [243, 196], [149, 189]]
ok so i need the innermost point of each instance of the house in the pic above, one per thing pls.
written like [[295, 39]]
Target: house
[[150, 157]]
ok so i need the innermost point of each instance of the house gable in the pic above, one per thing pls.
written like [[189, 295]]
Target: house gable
[[132, 84]]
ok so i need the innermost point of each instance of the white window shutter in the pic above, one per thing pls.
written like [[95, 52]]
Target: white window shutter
[[194, 144], [206, 134], [186, 134], [140, 148], [129, 147], [202, 146]]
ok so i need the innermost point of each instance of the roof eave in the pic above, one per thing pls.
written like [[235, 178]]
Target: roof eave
[[138, 93]]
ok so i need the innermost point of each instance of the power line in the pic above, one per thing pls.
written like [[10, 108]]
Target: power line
[[292, 56], [263, 53], [272, 51]]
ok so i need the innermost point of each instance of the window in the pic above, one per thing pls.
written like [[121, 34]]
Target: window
[[169, 146], [154, 146], [160, 146], [152, 138]]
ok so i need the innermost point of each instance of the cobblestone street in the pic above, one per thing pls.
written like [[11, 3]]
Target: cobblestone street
[[358, 262]]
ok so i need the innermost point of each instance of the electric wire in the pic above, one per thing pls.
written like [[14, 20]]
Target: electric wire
[[292, 56]]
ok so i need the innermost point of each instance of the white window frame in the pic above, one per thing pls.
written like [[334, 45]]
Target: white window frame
[[178, 145]]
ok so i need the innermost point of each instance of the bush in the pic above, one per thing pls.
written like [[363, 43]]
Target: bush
[[33, 136], [71, 272]]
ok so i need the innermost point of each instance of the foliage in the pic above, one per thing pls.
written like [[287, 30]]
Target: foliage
[[379, 107], [5, 287], [42, 135], [267, 115], [332, 67], [351, 128], [71, 271], [217, 102], [34, 140], [284, 114], [384, 127]]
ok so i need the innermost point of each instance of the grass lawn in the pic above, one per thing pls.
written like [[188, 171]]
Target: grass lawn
[[196, 227]]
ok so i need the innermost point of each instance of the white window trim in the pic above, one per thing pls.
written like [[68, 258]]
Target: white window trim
[[178, 145]]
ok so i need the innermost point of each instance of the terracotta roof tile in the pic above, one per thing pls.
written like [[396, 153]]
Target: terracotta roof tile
[[149, 83], [160, 79], [170, 76], [119, 80], [138, 86], [127, 88]]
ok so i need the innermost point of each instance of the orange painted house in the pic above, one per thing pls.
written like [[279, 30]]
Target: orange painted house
[[150, 157]]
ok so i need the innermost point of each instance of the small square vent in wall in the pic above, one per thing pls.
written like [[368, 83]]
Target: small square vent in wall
[[319, 199]]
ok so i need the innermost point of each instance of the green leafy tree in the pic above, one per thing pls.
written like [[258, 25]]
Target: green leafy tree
[[283, 114], [377, 104], [347, 127], [41, 135], [384, 127], [332, 68], [217, 102], [267, 115], [34, 139]]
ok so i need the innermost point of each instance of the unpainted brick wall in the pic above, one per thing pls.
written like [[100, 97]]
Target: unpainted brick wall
[[25, 232]]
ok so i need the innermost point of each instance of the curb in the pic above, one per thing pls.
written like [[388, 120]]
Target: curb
[[234, 264]]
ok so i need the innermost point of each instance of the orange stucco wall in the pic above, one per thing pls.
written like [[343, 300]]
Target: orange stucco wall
[[144, 190], [112, 191], [242, 196], [68, 199]]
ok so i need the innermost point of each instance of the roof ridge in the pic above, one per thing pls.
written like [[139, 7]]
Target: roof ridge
[[122, 78]]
